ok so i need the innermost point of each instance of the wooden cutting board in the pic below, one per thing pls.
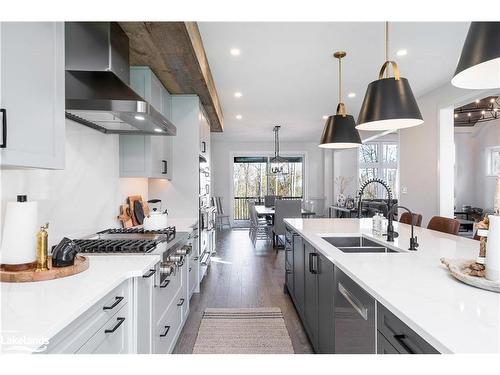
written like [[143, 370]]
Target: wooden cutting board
[[131, 199], [125, 217]]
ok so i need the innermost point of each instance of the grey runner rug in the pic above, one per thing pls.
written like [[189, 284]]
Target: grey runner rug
[[243, 331]]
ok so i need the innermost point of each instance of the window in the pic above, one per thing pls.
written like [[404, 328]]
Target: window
[[379, 160], [251, 182], [493, 161]]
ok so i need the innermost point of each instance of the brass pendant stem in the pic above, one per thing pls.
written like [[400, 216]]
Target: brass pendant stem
[[339, 55], [387, 45]]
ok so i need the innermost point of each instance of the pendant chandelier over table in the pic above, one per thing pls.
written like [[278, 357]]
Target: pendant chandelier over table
[[277, 165]]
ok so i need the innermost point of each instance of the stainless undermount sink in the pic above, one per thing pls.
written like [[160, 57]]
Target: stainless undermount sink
[[357, 245]]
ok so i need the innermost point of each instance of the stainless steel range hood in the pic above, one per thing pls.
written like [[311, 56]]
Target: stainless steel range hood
[[97, 83]]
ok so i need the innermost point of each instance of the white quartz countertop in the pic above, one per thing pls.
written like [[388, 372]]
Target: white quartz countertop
[[43, 309], [452, 316]]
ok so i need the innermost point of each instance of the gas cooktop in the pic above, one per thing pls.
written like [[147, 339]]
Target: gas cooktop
[[116, 246], [126, 240]]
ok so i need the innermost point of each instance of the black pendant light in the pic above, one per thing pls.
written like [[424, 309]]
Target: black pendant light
[[389, 103], [277, 165], [479, 64], [340, 130]]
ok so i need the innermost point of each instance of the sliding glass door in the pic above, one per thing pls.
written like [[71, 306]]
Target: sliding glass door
[[251, 182]]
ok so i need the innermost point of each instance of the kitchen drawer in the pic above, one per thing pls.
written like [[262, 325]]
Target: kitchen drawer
[[183, 301], [399, 335], [194, 273], [289, 254], [87, 324], [288, 235], [112, 338], [165, 294], [168, 328], [384, 346]]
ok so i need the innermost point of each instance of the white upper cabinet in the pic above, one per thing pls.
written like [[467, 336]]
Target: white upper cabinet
[[148, 156], [204, 135], [32, 94]]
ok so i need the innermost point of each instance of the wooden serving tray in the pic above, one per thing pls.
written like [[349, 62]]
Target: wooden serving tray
[[457, 267], [30, 275]]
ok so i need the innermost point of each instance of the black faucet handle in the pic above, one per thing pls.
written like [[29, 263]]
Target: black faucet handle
[[413, 243]]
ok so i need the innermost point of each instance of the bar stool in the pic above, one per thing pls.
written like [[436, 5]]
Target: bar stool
[[406, 219], [444, 225]]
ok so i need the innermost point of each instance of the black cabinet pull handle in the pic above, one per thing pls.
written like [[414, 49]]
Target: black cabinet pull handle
[[195, 258], [117, 301], [204, 147], [310, 262], [120, 322], [149, 274], [164, 284], [3, 111], [190, 269], [167, 328], [181, 302], [165, 167], [315, 263], [400, 339]]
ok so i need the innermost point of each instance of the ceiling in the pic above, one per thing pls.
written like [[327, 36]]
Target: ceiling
[[287, 74]]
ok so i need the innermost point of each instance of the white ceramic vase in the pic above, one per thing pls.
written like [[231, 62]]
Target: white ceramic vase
[[492, 260]]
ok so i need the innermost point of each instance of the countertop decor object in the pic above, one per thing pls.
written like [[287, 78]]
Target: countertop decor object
[[389, 103], [465, 271], [340, 130], [31, 275], [19, 234], [492, 259], [479, 64]]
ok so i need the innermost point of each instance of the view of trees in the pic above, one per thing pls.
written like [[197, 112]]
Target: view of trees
[[379, 160], [251, 181]]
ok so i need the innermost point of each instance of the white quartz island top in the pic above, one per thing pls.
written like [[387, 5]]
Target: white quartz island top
[[452, 316], [43, 309]]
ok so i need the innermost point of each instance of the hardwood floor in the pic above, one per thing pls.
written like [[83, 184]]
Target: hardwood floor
[[242, 275]]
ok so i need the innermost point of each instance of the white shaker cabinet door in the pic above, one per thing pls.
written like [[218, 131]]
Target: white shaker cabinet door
[[32, 94]]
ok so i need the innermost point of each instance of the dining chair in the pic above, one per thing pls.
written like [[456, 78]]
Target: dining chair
[[260, 229], [406, 219], [444, 225], [221, 218], [269, 200], [284, 208]]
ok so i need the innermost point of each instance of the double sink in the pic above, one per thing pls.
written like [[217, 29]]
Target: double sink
[[357, 244]]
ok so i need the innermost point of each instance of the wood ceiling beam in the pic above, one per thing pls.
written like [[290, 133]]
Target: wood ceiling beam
[[174, 51]]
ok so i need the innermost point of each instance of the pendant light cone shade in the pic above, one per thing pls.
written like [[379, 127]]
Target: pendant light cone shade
[[340, 130], [479, 64], [389, 104]]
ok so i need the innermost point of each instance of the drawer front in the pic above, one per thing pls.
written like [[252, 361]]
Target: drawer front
[[288, 235], [183, 300], [164, 294], [399, 335], [384, 346], [289, 251], [83, 328], [194, 271], [167, 329], [112, 338]]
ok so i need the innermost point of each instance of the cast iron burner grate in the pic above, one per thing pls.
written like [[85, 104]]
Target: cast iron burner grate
[[169, 231], [117, 246]]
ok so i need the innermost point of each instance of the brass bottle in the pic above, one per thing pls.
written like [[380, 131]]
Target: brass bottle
[[42, 251]]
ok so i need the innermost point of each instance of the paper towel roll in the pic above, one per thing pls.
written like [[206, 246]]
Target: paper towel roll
[[492, 260], [19, 233]]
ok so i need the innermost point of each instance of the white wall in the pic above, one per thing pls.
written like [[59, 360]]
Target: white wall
[[85, 196], [222, 154], [420, 148], [473, 184]]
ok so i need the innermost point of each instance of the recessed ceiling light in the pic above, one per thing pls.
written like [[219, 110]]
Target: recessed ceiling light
[[483, 112], [492, 100], [239, 117], [402, 52], [138, 117], [456, 115], [158, 130], [477, 100], [469, 114], [235, 51], [238, 94], [351, 95], [325, 117]]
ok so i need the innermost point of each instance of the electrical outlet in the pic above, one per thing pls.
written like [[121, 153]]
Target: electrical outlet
[[404, 190]]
